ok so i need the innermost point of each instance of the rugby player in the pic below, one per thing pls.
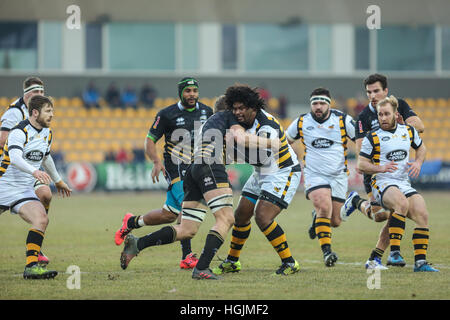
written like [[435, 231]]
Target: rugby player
[[269, 189], [206, 181], [377, 89], [26, 148], [324, 133], [16, 112], [385, 156], [176, 123]]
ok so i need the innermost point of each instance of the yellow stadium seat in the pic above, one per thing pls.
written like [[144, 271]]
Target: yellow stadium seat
[[66, 146], [102, 124], [118, 113], [273, 103], [94, 113], [76, 102], [410, 102], [71, 156], [98, 157], [158, 103], [63, 102], [56, 145], [72, 134], [106, 112], [169, 101], [430, 103], [130, 113], [4, 102], [441, 103], [125, 123], [419, 102]]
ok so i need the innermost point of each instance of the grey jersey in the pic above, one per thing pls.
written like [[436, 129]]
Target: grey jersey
[[35, 145], [382, 147], [325, 143]]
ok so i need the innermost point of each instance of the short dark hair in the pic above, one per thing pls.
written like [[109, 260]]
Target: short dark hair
[[244, 94], [32, 80], [220, 104], [321, 92], [376, 77], [37, 102]]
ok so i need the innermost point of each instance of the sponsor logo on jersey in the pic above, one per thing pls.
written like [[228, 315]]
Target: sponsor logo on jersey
[[208, 181], [34, 155], [397, 155], [180, 121], [310, 128], [322, 143], [385, 138]]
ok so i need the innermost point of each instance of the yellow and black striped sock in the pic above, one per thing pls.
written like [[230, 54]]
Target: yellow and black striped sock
[[239, 235], [420, 241], [376, 253], [396, 231], [323, 231], [33, 244], [277, 239]]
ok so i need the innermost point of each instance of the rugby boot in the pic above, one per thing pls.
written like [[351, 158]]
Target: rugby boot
[[38, 272], [395, 259], [227, 267], [288, 268], [189, 262], [123, 230], [206, 274], [130, 251]]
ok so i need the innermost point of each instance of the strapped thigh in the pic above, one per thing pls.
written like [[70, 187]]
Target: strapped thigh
[[220, 202]]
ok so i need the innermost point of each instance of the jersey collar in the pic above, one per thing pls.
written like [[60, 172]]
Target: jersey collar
[[182, 108], [372, 108]]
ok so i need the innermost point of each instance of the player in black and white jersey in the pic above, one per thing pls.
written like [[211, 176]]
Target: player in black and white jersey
[[270, 188], [177, 123], [206, 181], [376, 89], [16, 112], [324, 133], [385, 156], [26, 149]]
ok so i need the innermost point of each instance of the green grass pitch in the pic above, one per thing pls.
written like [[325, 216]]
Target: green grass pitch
[[81, 233]]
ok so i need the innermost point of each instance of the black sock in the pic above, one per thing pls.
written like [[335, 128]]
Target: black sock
[[185, 248], [213, 242], [164, 235], [377, 252], [356, 202], [132, 223]]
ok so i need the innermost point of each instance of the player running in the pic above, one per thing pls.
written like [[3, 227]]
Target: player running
[[176, 123], [385, 156]]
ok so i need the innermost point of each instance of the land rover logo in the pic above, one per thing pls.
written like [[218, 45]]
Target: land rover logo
[[397, 155], [34, 155], [322, 143]]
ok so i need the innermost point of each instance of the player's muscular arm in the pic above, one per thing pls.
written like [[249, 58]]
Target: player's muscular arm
[[416, 165], [253, 141], [415, 122], [150, 151], [365, 165]]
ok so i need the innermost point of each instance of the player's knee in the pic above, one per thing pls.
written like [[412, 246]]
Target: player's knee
[[261, 221], [168, 216], [402, 206], [45, 195], [42, 221]]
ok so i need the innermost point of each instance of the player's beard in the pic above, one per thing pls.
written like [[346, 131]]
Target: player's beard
[[392, 124], [189, 106], [42, 122], [322, 117]]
